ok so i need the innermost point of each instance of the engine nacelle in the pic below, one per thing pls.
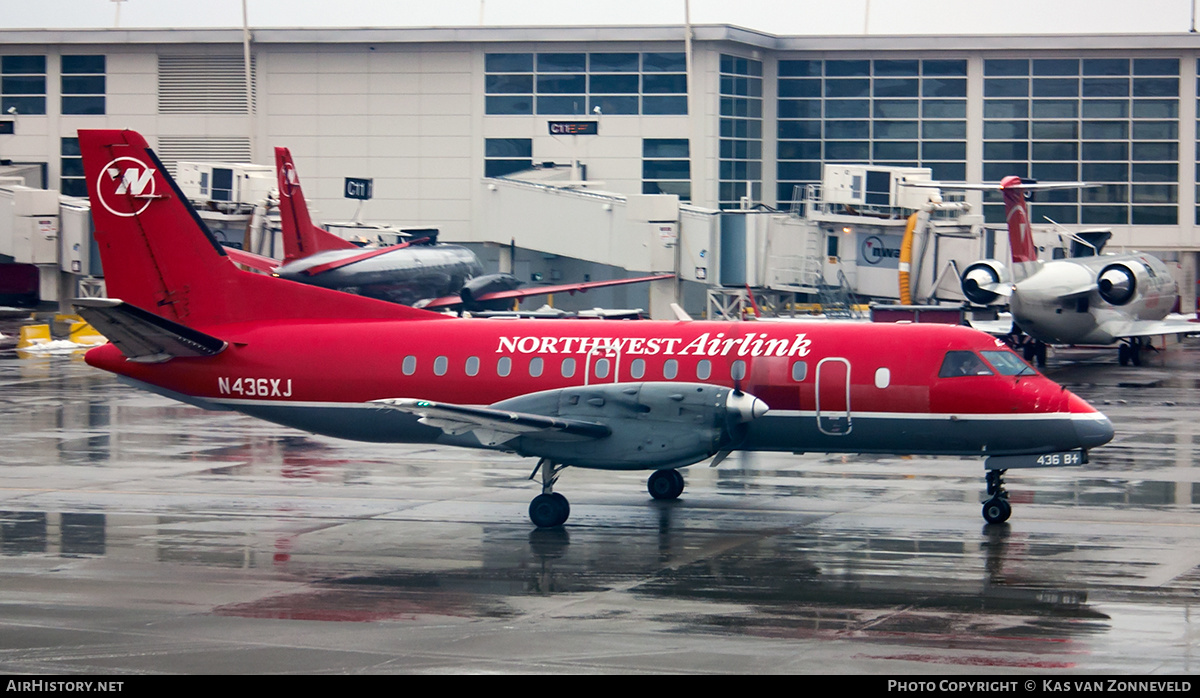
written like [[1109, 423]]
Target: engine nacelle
[[981, 280], [487, 283], [1118, 283], [654, 425]]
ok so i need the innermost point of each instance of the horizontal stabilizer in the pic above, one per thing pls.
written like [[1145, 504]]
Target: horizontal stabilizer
[[454, 301], [142, 336], [491, 426], [254, 261], [997, 186]]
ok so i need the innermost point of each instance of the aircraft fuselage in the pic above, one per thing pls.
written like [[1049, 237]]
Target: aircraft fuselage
[[1062, 303], [838, 387], [404, 275]]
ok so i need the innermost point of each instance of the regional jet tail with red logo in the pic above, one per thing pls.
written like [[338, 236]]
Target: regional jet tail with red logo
[[1088, 299], [186, 322], [420, 273]]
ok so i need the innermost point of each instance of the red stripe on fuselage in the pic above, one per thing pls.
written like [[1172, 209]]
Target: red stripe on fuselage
[[359, 361]]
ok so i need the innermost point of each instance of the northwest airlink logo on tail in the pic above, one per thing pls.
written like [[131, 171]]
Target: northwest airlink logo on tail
[[288, 180], [123, 180]]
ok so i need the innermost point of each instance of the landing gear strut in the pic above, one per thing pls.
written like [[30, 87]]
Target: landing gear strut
[[548, 509], [665, 484], [1130, 351], [996, 509], [1035, 351]]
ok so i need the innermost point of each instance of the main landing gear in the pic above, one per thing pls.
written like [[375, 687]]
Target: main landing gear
[[1033, 350], [996, 509], [665, 484], [1130, 350], [550, 509]]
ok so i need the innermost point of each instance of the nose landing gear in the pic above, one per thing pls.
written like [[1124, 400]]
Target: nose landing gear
[[996, 509]]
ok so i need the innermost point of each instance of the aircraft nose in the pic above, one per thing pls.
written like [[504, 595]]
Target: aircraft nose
[[1093, 431], [1092, 428]]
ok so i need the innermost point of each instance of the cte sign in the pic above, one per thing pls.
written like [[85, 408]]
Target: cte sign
[[574, 128], [358, 188]]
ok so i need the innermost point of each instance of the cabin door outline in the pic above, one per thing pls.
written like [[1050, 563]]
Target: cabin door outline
[[833, 383]]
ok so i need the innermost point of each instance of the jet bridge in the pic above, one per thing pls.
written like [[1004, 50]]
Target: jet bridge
[[840, 240]]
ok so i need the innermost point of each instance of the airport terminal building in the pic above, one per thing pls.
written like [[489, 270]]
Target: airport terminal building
[[748, 119]]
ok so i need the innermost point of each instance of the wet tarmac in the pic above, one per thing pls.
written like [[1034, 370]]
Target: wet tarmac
[[143, 536]]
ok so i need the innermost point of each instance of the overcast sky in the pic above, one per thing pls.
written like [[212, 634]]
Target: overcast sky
[[782, 17]]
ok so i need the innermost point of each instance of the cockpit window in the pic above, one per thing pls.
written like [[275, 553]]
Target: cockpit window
[[1008, 363], [963, 363]]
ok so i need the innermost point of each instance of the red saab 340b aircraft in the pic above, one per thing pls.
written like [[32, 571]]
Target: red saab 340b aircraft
[[186, 322]]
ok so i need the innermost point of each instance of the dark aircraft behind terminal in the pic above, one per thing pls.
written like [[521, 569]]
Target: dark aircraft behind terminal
[[421, 272], [185, 322]]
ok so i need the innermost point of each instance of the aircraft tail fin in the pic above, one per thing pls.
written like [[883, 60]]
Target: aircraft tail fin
[[301, 237], [158, 254], [1020, 233]]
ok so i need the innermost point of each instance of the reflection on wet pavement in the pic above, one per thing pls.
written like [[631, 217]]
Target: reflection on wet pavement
[[157, 537]]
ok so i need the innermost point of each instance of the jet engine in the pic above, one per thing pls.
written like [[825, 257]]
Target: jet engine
[[487, 283], [982, 280], [654, 425], [1118, 283]]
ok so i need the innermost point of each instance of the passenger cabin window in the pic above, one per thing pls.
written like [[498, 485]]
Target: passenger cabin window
[[568, 367], [963, 363], [602, 368], [504, 366], [670, 369], [535, 366], [637, 369], [883, 378], [409, 366], [799, 371], [472, 365], [738, 370], [704, 369], [440, 364], [1007, 363]]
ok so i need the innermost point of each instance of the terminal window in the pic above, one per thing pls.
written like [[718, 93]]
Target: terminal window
[[70, 162], [575, 84], [740, 166], [666, 168], [906, 112], [1113, 121], [23, 84], [504, 156], [83, 84]]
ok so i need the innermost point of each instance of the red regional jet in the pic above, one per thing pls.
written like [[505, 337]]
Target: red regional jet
[[185, 322], [421, 272]]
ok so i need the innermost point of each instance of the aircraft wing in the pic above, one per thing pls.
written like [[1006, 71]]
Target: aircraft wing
[[254, 261], [142, 336], [1002, 325], [492, 426], [454, 300], [1172, 324]]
